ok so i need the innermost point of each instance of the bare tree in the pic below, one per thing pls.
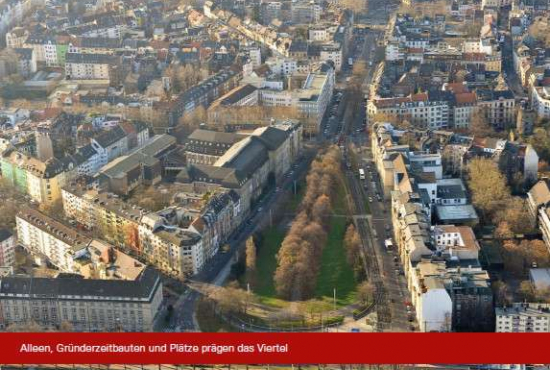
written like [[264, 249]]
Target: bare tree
[[488, 185], [250, 254], [365, 292]]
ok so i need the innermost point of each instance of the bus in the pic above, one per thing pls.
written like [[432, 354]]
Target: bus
[[361, 174]]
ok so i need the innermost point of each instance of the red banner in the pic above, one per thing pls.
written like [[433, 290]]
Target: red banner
[[263, 348]]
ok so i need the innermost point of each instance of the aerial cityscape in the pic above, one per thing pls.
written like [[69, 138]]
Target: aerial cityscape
[[275, 166]]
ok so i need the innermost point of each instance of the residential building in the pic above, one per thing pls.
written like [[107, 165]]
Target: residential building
[[203, 94], [118, 141], [42, 181], [418, 109], [27, 64], [498, 107], [59, 244], [538, 197], [523, 318], [82, 66], [86, 304], [540, 100], [305, 12], [241, 96], [104, 214], [7, 248]]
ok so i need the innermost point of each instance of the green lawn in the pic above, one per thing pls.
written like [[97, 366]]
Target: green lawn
[[266, 261], [335, 271]]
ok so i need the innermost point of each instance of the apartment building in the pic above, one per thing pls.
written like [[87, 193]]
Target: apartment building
[[86, 304], [540, 100], [448, 288], [16, 37], [451, 298], [7, 248], [523, 318], [104, 214], [119, 140], [418, 109], [42, 181], [321, 52], [458, 242], [178, 240], [463, 109], [242, 96], [282, 66], [12, 12], [83, 66], [498, 107], [175, 251], [50, 239], [203, 94], [432, 302], [538, 197], [305, 12]]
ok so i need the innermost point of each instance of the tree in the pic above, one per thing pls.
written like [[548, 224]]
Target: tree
[[298, 259], [487, 185], [540, 140], [27, 327], [250, 254], [191, 121], [518, 257], [514, 209], [365, 292], [183, 77], [66, 326], [321, 208], [479, 125], [352, 243], [501, 293], [504, 231], [526, 291], [231, 299]]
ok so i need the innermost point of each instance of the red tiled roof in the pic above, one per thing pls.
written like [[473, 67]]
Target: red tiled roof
[[465, 98]]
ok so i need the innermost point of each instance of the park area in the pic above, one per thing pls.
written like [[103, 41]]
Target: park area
[[335, 272], [301, 271]]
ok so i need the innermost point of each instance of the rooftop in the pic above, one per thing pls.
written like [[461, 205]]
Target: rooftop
[[55, 228], [142, 288]]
